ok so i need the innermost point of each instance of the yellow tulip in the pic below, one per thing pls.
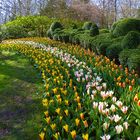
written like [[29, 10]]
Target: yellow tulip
[[48, 119], [53, 126], [66, 102], [45, 102], [42, 136], [58, 110], [56, 135], [55, 90], [77, 121], [47, 87], [46, 113], [85, 136], [79, 105], [60, 118], [66, 112], [73, 134], [58, 96], [66, 128]]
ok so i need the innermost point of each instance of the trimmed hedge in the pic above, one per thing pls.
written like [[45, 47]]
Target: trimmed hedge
[[100, 42], [122, 27], [123, 57], [31, 26], [113, 51], [103, 44], [94, 31], [55, 25], [134, 62], [131, 40], [130, 58]]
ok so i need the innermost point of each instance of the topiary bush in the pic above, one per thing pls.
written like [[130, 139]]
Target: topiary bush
[[134, 61], [94, 30], [131, 40], [123, 57], [130, 58], [99, 40], [113, 51], [123, 26], [55, 25], [101, 49], [87, 25]]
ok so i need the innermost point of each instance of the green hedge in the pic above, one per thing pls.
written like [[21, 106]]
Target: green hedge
[[55, 25], [130, 58], [30, 26], [131, 40], [122, 27], [113, 51]]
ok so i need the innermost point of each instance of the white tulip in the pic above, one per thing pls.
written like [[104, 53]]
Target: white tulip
[[113, 108], [117, 118], [105, 126], [119, 129], [105, 137], [125, 124]]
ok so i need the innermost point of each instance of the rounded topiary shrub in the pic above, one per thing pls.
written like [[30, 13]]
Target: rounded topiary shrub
[[129, 54], [113, 51], [100, 41], [55, 25], [101, 49], [134, 62], [123, 26], [131, 40], [123, 57], [94, 30]]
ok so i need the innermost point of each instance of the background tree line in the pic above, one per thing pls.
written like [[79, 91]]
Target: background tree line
[[103, 12]]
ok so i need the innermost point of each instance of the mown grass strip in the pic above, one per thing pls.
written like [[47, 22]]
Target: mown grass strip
[[20, 106]]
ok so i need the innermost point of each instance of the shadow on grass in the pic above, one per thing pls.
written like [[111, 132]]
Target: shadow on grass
[[20, 73], [20, 107], [9, 65]]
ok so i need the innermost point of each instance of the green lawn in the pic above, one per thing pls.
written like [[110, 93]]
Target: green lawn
[[20, 105]]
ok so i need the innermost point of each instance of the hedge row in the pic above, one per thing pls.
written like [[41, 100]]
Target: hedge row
[[31, 26], [104, 43]]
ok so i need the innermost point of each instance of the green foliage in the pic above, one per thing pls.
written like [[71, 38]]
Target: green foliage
[[87, 25], [102, 48], [122, 27], [113, 51], [102, 31], [94, 31], [100, 43], [131, 40], [30, 26], [49, 34], [130, 58], [92, 27], [26, 26], [123, 57], [55, 25], [134, 61]]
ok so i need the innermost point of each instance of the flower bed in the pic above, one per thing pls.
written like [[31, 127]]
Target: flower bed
[[86, 96]]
